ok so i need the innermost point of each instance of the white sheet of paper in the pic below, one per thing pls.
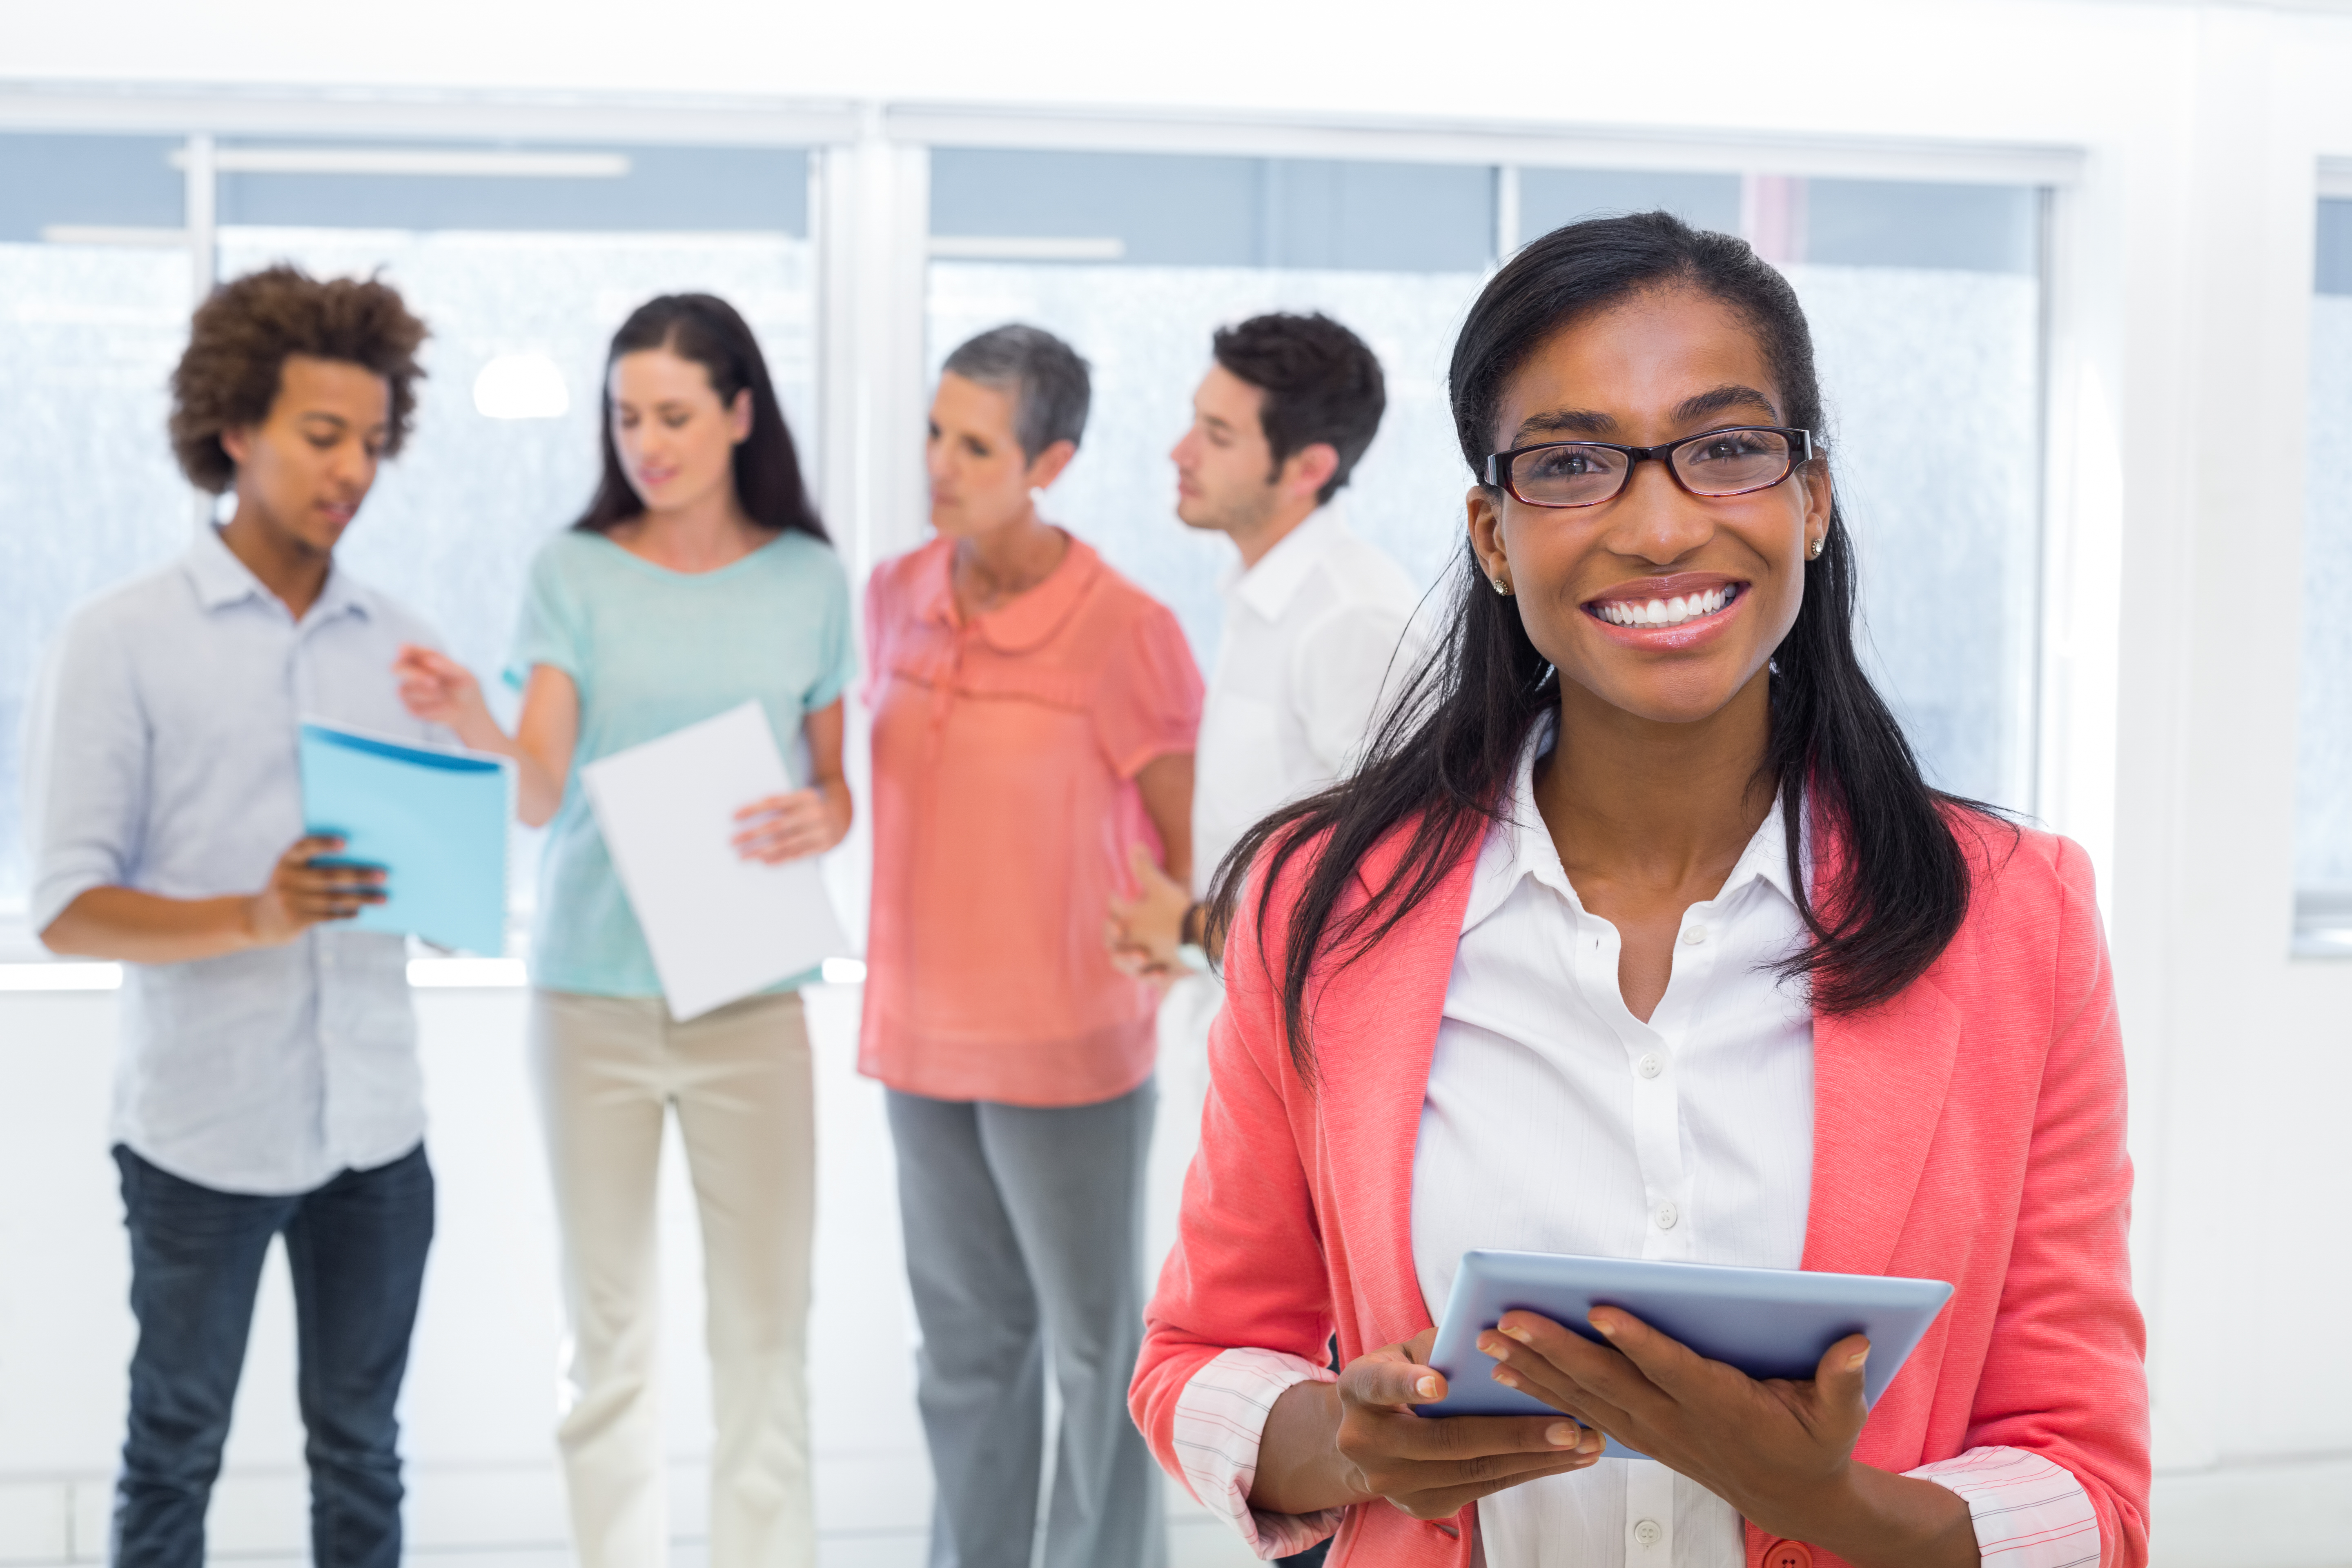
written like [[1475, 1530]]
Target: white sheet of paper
[[720, 927]]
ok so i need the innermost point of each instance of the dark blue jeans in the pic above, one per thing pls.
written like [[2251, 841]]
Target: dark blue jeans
[[356, 1249]]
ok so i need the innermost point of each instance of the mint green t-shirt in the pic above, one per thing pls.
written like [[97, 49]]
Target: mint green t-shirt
[[652, 650]]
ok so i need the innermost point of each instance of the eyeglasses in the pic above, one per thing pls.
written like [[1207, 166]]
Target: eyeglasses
[[1716, 464]]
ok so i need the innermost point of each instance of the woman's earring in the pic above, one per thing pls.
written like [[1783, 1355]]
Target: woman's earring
[[1500, 586], [1813, 550]]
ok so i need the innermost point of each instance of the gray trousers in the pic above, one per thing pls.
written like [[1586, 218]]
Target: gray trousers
[[1023, 1230]]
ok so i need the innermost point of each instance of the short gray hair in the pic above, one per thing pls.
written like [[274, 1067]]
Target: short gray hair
[[1047, 379]]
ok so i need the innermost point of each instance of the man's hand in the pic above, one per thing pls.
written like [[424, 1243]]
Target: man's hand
[[300, 894], [1145, 931]]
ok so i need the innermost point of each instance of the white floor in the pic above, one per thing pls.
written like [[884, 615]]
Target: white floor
[[480, 1403]]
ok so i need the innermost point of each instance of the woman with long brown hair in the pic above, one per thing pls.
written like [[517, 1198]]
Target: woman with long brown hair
[[699, 578]]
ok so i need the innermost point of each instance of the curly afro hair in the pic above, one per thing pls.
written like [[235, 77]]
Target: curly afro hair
[[239, 341]]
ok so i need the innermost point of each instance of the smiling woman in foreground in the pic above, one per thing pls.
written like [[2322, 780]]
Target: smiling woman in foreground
[[1639, 935]]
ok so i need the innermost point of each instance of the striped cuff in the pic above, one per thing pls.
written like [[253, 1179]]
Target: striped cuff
[[2027, 1513], [1220, 1418]]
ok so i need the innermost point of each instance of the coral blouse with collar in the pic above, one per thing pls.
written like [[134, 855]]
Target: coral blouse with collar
[[1971, 1130], [1005, 753]]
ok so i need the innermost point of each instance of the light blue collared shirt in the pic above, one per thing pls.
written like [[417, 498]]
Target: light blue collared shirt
[[160, 755]]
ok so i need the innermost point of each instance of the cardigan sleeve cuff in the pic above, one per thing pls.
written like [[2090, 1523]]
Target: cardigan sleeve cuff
[[1220, 1418], [2028, 1512]]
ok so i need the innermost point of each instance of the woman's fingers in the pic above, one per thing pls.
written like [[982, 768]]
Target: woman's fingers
[[778, 803], [1445, 1501], [781, 828], [1390, 1381], [1663, 1360]]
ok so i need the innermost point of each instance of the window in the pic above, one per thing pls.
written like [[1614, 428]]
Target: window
[[1136, 259], [523, 264], [96, 283], [1924, 300], [522, 260], [2323, 774]]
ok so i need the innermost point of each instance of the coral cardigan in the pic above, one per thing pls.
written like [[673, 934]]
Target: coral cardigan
[[1971, 1130]]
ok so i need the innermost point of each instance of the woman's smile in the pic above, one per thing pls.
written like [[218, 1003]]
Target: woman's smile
[[1664, 613]]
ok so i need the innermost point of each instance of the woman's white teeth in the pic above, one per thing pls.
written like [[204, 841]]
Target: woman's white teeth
[[1671, 611]]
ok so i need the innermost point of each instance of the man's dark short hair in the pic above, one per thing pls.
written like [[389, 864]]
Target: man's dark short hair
[[1048, 380], [1321, 383], [239, 341]]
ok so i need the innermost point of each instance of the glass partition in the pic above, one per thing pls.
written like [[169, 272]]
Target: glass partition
[[1137, 258], [522, 275], [2323, 774], [96, 280], [522, 260], [1925, 303]]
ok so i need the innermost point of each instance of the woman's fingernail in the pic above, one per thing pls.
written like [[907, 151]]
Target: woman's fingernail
[[1560, 1434], [1426, 1388], [1606, 1325], [1517, 1333], [1507, 1377], [1853, 1363]]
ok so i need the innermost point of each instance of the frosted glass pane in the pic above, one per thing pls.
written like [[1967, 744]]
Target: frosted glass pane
[[2323, 774], [1931, 381], [452, 523], [453, 520], [1146, 330], [88, 493]]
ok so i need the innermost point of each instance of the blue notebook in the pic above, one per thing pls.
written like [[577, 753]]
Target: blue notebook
[[435, 821]]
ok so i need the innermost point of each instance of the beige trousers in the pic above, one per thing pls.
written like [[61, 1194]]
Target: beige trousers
[[608, 1070]]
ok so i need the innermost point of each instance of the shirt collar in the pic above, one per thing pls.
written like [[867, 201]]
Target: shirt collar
[[222, 580], [1519, 845], [1029, 619], [1269, 587]]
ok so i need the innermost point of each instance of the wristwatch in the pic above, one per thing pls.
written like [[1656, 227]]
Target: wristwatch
[[1189, 931]]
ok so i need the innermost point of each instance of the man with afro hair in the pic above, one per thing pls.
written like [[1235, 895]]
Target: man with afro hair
[[267, 1083]]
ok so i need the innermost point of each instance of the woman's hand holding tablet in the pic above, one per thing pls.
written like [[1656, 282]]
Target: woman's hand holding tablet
[[1779, 1450], [1778, 1445], [1428, 1467]]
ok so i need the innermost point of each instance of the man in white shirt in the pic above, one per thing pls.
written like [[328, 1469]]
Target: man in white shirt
[[1317, 631], [268, 1081]]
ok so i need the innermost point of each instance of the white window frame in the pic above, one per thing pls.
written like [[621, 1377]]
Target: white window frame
[[2322, 917]]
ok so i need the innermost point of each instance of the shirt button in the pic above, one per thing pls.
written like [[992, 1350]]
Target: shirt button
[[1694, 935], [1647, 1533], [1788, 1554], [1650, 1066], [1668, 1216]]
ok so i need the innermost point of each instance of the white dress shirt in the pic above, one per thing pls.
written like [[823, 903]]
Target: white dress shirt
[[161, 756], [1556, 1122], [1315, 635]]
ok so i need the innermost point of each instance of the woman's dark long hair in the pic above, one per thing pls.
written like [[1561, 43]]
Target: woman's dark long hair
[[1440, 764], [706, 329]]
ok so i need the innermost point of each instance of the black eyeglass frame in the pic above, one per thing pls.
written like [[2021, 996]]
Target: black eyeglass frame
[[1498, 465]]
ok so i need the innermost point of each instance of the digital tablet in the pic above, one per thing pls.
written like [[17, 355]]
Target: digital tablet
[[1768, 1322]]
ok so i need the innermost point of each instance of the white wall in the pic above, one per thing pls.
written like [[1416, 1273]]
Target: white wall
[[2178, 391]]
